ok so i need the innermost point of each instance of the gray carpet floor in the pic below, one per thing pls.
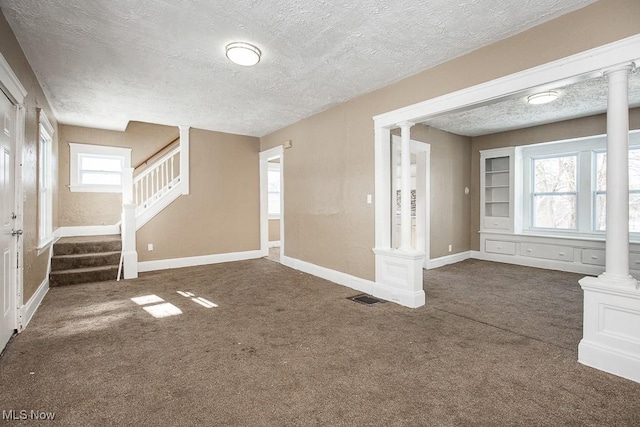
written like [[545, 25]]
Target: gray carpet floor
[[495, 345]]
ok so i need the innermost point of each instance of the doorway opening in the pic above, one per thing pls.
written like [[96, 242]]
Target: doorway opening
[[272, 204]]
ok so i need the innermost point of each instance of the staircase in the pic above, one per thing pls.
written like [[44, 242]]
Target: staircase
[[85, 259]]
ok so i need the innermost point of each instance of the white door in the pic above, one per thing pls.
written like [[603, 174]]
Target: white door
[[7, 241]]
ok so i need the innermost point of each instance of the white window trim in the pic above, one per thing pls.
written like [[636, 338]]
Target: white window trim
[[76, 150], [585, 148], [45, 201]]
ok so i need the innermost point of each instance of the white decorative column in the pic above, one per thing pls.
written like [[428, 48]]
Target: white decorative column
[[128, 228], [398, 271], [611, 340]]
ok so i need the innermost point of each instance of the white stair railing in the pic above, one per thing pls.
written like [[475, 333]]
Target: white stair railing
[[156, 181]]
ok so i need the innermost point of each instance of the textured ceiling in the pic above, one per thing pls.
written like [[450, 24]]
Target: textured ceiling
[[104, 63], [577, 100]]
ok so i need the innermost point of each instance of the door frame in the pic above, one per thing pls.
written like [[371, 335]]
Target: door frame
[[265, 156], [15, 91]]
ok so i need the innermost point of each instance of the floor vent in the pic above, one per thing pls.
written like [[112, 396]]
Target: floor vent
[[366, 299]]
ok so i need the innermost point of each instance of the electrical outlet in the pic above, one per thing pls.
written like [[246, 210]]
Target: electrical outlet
[[369, 198], [450, 248], [150, 247]]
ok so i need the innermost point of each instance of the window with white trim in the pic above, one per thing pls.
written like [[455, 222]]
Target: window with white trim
[[564, 186], [273, 190], [97, 168], [45, 180], [600, 193], [554, 197]]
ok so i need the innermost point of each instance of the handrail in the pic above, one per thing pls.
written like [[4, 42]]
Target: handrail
[[156, 153], [158, 162]]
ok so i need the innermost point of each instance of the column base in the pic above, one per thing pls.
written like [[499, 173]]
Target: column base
[[399, 277], [611, 334]]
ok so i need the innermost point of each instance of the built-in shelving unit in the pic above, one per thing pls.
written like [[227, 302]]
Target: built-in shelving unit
[[497, 167]]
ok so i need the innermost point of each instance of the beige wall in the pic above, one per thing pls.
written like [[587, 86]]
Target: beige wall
[[222, 212], [330, 169], [450, 174], [35, 266], [104, 208], [274, 230], [576, 128]]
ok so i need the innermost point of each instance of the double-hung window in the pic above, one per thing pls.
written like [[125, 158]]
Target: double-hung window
[[600, 193], [555, 196], [45, 180], [96, 168], [565, 186]]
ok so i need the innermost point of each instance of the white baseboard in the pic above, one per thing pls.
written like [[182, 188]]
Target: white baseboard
[[274, 244], [448, 259], [609, 359], [165, 264], [29, 309], [88, 230], [344, 279]]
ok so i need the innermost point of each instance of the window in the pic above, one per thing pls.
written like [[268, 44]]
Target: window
[[45, 181], [96, 168], [555, 196], [273, 190], [564, 186], [600, 193]]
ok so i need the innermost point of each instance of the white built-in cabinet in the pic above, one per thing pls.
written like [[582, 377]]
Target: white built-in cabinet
[[498, 189], [502, 237]]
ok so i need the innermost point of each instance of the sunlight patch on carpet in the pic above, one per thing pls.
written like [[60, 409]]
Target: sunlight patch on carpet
[[163, 310], [147, 299]]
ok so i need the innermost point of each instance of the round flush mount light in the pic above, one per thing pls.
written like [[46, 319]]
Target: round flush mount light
[[243, 53], [542, 97]]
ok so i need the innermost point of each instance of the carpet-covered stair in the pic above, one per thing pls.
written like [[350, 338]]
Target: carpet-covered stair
[[85, 259]]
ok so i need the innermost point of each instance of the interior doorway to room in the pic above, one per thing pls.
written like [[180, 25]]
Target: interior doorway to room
[[420, 195], [272, 204], [7, 239]]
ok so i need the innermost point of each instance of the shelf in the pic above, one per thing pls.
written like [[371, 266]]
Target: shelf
[[489, 202], [496, 186], [500, 171]]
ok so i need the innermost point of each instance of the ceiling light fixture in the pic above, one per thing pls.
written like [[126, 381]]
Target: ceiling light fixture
[[243, 54], [542, 97]]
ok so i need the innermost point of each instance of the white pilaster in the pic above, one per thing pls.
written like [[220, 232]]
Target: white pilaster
[[405, 187], [611, 335], [184, 158]]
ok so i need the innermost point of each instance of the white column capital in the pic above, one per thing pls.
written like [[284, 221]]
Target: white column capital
[[625, 67], [184, 128], [403, 125]]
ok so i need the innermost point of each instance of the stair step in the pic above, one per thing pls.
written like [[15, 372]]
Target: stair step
[[73, 261], [87, 244], [83, 275]]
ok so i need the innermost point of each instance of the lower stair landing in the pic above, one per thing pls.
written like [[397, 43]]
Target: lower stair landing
[[85, 259]]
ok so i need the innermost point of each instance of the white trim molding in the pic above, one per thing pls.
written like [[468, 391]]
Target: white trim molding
[[166, 264], [10, 84], [581, 66], [448, 259], [27, 310], [344, 279]]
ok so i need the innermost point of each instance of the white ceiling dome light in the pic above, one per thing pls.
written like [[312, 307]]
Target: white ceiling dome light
[[543, 97], [243, 53]]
